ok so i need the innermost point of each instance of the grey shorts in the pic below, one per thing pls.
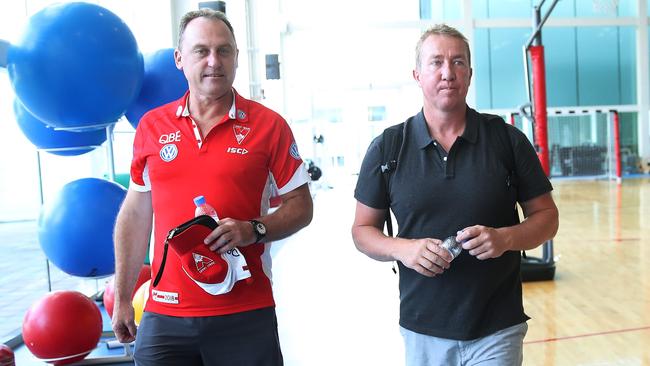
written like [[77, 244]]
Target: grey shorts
[[502, 348], [248, 338]]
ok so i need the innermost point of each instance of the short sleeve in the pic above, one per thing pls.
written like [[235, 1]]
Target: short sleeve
[[371, 188], [286, 165], [139, 172], [532, 181]]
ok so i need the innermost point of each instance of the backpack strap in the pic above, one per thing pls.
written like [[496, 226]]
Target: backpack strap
[[392, 144], [505, 149], [508, 156]]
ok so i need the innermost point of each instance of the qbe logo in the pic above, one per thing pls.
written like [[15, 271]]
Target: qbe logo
[[168, 152]]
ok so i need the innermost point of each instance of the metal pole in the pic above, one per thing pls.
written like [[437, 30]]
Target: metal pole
[[109, 152], [40, 191]]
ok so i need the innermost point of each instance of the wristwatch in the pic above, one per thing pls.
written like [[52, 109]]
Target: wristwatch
[[259, 229]]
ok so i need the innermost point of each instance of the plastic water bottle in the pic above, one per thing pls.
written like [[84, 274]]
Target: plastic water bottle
[[452, 245], [204, 208]]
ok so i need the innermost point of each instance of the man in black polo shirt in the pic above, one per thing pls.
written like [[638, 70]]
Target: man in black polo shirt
[[453, 178]]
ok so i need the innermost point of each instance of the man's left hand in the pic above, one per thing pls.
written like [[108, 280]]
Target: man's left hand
[[483, 242]]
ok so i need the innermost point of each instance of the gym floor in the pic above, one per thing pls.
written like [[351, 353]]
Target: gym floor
[[337, 307]]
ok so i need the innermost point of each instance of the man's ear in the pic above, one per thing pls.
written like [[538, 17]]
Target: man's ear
[[416, 76], [177, 59]]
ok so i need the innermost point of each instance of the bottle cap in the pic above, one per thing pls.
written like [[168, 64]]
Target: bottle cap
[[452, 245], [199, 200]]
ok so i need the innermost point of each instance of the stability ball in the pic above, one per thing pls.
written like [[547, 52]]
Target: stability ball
[[7, 356], [163, 83], [58, 142], [75, 228], [140, 301], [62, 327], [77, 66], [109, 290]]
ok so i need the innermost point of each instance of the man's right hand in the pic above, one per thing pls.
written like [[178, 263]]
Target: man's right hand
[[424, 256], [123, 322]]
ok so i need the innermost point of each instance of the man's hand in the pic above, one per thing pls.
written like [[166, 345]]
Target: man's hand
[[229, 234], [483, 242], [424, 256], [123, 322]]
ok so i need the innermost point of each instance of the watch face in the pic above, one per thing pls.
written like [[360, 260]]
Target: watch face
[[260, 228]]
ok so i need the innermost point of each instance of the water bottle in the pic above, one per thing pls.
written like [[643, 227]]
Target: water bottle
[[453, 247], [204, 208]]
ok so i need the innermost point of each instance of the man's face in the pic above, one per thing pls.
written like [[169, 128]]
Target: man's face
[[444, 72], [208, 57]]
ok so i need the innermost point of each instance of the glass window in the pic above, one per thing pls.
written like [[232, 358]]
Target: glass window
[[482, 76], [598, 66], [561, 66], [377, 113], [498, 67], [440, 9]]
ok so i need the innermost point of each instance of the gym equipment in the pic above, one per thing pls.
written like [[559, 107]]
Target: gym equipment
[[314, 171], [109, 289], [7, 357], [75, 228], [77, 66], [140, 300], [162, 83], [58, 142], [537, 269], [62, 327]]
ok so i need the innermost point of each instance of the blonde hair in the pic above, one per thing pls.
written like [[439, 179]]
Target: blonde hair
[[440, 30]]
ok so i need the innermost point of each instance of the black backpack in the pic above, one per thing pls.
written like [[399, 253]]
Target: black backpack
[[392, 146]]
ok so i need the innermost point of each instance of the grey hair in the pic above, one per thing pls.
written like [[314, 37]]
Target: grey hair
[[202, 13]]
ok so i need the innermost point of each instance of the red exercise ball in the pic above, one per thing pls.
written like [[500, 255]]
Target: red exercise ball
[[7, 357], [62, 327], [109, 290]]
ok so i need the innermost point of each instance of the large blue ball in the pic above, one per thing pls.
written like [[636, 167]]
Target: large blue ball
[[163, 83], [58, 142], [75, 228], [77, 66]]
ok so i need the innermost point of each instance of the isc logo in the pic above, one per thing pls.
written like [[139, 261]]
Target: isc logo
[[237, 150]]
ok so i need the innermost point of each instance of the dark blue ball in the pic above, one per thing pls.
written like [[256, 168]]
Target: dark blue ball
[[163, 83], [75, 228], [58, 142], [76, 66]]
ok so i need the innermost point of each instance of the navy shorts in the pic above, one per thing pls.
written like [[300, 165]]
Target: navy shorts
[[248, 338]]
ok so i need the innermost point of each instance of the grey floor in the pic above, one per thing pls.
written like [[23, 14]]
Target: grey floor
[[24, 275]]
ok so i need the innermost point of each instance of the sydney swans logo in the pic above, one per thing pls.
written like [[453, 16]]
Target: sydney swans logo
[[241, 132]]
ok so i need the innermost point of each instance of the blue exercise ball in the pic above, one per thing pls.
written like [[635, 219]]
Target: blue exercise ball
[[75, 228], [77, 66], [163, 83], [58, 142]]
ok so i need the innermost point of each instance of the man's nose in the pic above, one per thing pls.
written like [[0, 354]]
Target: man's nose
[[448, 72], [213, 59]]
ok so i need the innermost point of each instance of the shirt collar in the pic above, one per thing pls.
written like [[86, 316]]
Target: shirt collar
[[421, 132], [183, 109]]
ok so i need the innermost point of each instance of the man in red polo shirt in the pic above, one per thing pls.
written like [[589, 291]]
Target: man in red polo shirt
[[215, 143]]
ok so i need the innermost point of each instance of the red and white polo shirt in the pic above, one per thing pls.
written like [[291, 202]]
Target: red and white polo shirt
[[233, 166]]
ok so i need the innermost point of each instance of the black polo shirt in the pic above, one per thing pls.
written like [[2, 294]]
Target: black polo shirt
[[435, 193]]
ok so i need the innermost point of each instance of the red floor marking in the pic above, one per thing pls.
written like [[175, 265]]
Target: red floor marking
[[588, 335], [611, 239]]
